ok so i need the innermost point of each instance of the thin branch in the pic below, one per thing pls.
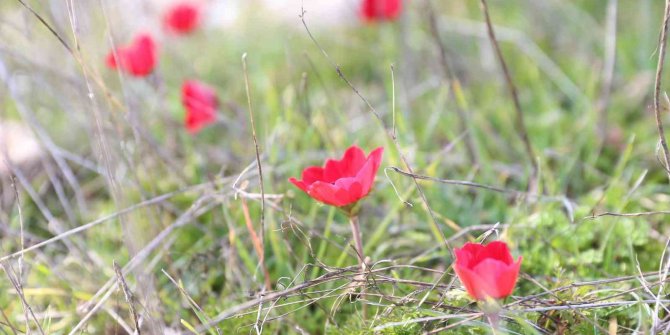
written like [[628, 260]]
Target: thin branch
[[608, 68], [594, 216], [393, 128], [520, 123], [572, 286], [77, 56], [513, 312], [258, 156], [232, 311], [358, 242], [7, 323], [19, 290], [21, 225], [128, 296], [188, 297], [258, 244], [657, 87], [563, 302], [47, 25], [469, 229], [199, 207], [465, 183], [101, 220], [470, 145]]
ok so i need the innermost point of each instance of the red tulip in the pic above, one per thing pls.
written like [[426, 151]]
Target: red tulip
[[201, 104], [380, 10], [487, 271], [182, 18], [138, 58], [341, 182]]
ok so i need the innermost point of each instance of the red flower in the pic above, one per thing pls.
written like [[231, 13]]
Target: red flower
[[487, 270], [138, 58], [342, 182], [182, 18], [380, 10], [201, 104]]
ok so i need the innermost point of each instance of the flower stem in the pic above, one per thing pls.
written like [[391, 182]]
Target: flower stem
[[494, 321], [358, 243]]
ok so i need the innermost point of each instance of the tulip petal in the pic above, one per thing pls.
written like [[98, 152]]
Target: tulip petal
[[469, 280], [354, 158], [200, 102], [487, 270], [138, 58], [491, 274], [467, 256], [372, 10], [366, 177], [182, 18], [352, 186], [508, 278], [496, 250], [350, 163], [298, 183], [366, 174], [312, 174], [144, 55], [329, 194], [463, 256], [376, 157]]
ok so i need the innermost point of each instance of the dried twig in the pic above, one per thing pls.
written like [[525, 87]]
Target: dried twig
[[526, 45], [188, 297], [128, 296], [258, 156], [470, 145], [608, 68], [563, 302], [520, 123], [275, 295], [21, 227], [7, 323], [515, 193], [153, 201], [657, 87], [47, 25], [594, 216], [77, 56], [258, 244], [200, 207], [19, 290]]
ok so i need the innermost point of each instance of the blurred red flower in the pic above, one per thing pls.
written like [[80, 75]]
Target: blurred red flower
[[137, 58], [182, 17], [380, 10], [201, 104], [342, 182], [487, 271]]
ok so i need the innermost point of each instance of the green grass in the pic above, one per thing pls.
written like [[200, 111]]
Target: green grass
[[306, 113]]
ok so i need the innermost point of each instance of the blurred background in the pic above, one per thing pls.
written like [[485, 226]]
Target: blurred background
[[96, 166]]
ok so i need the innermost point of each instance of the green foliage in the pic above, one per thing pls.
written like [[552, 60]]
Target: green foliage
[[397, 315]]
